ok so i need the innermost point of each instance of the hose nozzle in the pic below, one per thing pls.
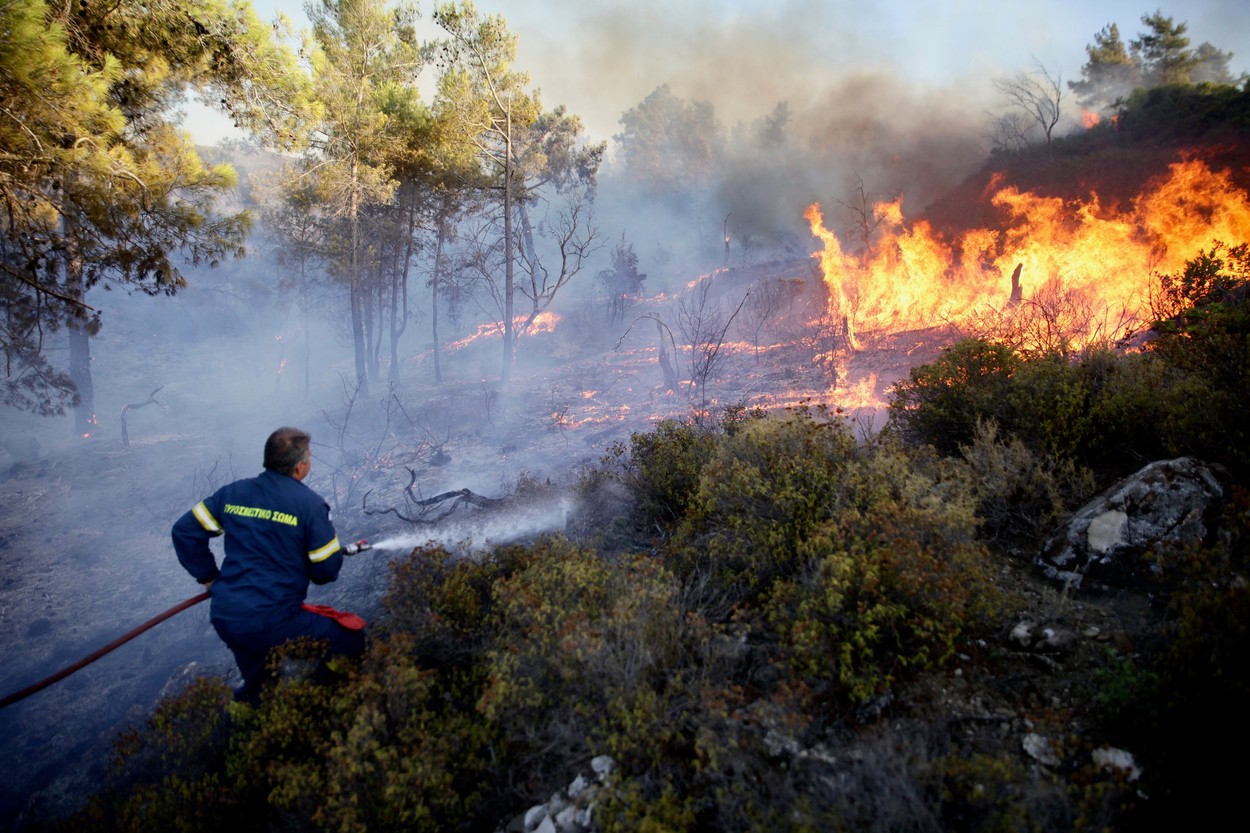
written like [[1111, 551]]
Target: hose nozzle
[[359, 546]]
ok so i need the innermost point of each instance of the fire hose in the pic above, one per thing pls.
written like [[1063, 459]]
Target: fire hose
[[350, 549]]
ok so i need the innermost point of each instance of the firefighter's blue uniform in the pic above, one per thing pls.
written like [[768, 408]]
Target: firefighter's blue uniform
[[278, 538]]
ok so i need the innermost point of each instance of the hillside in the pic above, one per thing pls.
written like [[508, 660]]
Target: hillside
[[769, 621], [1115, 160]]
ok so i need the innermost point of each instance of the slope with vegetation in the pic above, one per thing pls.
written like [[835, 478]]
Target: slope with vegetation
[[773, 624], [770, 624]]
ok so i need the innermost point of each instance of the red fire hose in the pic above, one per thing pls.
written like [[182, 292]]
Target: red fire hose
[[95, 655]]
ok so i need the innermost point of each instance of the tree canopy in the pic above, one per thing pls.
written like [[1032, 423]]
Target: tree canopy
[[1159, 56], [97, 182]]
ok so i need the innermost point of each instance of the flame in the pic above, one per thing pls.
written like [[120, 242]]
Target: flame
[[1071, 256], [717, 271], [544, 322], [1090, 119]]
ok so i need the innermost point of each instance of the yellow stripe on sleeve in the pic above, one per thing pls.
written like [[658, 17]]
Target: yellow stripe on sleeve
[[322, 553], [206, 518]]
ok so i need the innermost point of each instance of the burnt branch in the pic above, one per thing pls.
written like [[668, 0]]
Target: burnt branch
[[425, 506], [150, 400]]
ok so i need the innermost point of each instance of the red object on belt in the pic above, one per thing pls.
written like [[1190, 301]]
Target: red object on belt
[[345, 618]]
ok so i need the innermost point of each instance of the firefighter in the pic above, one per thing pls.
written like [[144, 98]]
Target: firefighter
[[278, 538]]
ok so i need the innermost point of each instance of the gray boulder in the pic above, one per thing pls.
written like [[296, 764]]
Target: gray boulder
[[1170, 504]]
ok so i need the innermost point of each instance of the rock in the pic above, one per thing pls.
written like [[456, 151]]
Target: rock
[[1109, 757], [1169, 503], [1040, 749], [566, 819], [534, 816], [578, 785], [603, 766], [1043, 639]]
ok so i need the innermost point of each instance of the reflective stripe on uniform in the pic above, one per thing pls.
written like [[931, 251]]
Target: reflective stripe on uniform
[[206, 518], [322, 553]]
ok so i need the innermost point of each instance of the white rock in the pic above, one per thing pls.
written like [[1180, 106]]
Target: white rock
[[603, 765], [1112, 758], [547, 826], [1040, 750], [579, 784], [534, 815], [566, 819]]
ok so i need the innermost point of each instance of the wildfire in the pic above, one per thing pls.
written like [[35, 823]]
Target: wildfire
[[544, 322], [709, 275], [1074, 254]]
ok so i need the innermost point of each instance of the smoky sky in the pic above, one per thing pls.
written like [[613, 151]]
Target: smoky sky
[[744, 55]]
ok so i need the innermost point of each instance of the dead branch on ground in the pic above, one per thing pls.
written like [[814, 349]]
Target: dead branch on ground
[[425, 506]]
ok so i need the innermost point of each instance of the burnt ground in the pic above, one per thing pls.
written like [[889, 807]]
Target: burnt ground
[[84, 521]]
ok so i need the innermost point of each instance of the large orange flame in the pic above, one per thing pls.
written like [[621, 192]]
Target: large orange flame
[[1084, 267]]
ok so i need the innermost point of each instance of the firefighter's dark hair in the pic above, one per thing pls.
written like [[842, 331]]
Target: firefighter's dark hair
[[285, 449]]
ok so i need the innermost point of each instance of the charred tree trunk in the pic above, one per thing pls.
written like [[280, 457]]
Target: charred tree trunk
[[79, 330], [434, 290], [399, 290], [1017, 294], [80, 374], [358, 306], [670, 375], [509, 336]]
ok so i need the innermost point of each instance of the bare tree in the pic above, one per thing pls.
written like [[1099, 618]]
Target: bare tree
[[571, 230], [865, 219], [1010, 131], [703, 325], [764, 301], [1037, 94]]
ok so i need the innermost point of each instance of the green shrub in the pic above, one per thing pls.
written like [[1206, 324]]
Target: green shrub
[[1127, 409], [168, 775], [443, 601], [592, 655], [878, 612], [1020, 495], [1184, 724], [760, 496], [939, 404], [1204, 336], [661, 469]]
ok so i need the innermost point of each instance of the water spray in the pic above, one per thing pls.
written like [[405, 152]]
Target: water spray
[[481, 533]]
